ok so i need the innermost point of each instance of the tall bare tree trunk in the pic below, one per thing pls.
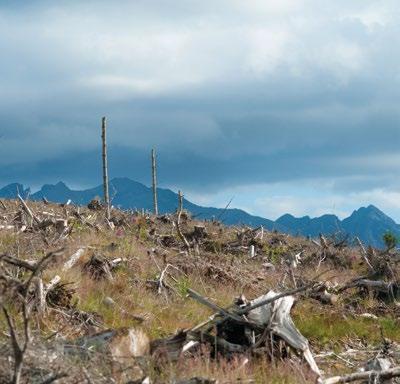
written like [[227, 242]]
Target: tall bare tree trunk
[[180, 203], [154, 175], [105, 167], [178, 222]]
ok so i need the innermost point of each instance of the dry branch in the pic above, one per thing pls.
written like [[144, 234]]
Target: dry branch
[[194, 295], [27, 210], [29, 265], [20, 347], [371, 376], [364, 254], [270, 300]]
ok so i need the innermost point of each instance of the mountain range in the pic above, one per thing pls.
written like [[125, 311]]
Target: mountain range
[[368, 223]]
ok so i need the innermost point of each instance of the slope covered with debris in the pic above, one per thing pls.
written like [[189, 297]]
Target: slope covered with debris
[[141, 298]]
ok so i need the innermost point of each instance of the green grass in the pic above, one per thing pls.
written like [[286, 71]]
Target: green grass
[[330, 327]]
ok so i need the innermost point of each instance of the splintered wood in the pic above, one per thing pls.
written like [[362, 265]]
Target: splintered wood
[[266, 323]]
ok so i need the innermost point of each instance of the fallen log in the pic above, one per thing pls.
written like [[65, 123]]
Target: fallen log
[[73, 259], [224, 313], [27, 210], [371, 376], [29, 265], [269, 300], [52, 283], [391, 289], [40, 296], [194, 295]]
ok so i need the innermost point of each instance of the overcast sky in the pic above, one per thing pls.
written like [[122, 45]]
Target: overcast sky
[[287, 106]]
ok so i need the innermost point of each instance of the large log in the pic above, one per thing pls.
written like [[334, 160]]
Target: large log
[[276, 316], [371, 376], [73, 259]]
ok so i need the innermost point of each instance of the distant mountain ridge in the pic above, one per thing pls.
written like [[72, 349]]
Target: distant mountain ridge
[[368, 223]]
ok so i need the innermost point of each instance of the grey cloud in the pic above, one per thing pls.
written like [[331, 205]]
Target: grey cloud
[[228, 95]]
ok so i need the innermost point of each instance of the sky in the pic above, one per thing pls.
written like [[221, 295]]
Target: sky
[[284, 106]]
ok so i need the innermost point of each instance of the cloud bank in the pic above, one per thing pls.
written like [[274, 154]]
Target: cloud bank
[[290, 101]]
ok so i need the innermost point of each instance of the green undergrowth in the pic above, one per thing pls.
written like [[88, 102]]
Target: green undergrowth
[[274, 253], [165, 314], [330, 327]]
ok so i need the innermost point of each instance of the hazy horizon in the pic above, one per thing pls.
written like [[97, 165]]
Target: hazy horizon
[[202, 202]]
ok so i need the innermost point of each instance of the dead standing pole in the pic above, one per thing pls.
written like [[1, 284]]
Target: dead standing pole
[[105, 167], [178, 222], [154, 176]]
